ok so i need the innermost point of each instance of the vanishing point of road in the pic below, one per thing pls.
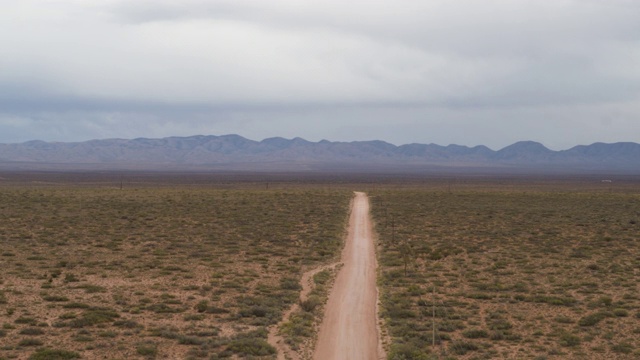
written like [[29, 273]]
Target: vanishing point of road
[[349, 328]]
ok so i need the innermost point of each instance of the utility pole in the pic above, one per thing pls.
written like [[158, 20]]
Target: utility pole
[[433, 317]]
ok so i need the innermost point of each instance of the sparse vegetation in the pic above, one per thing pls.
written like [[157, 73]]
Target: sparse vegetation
[[500, 269], [160, 271], [512, 271]]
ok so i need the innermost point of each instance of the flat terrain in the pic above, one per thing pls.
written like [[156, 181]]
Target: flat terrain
[[204, 266], [159, 271], [510, 270], [349, 328]]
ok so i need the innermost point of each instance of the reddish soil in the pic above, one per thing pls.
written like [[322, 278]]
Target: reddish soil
[[349, 328]]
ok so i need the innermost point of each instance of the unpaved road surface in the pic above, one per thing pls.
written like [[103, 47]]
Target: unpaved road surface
[[349, 327]]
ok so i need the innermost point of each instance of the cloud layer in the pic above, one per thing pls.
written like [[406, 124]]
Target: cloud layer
[[462, 71]]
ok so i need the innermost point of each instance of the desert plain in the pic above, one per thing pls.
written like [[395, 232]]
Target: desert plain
[[208, 266]]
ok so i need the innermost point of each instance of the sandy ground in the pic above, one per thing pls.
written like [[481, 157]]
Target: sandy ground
[[284, 351], [349, 328]]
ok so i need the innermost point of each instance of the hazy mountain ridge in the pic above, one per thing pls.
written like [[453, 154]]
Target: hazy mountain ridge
[[209, 150]]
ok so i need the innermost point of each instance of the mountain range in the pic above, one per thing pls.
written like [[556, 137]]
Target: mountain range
[[234, 152]]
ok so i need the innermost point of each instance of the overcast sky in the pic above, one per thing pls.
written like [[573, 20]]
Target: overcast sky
[[469, 72]]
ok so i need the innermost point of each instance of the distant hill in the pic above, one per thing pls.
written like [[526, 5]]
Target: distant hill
[[234, 152]]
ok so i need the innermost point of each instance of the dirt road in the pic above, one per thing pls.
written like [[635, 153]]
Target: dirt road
[[349, 328]]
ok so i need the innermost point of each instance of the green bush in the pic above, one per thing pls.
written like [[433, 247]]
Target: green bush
[[32, 331], [93, 317], [462, 347], [127, 324], [300, 324], [288, 283], [622, 348], [407, 352], [49, 354], [149, 350], [30, 342], [190, 340], [475, 334], [25, 320], [311, 303], [255, 347], [569, 340], [620, 312], [592, 319], [202, 306]]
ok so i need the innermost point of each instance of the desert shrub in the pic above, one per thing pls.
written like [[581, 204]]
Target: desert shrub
[[190, 340], [70, 278], [255, 311], [564, 320], [552, 300], [407, 352], [622, 348], [193, 317], [462, 347], [147, 349], [605, 301], [75, 305], [167, 333], [475, 334], [202, 306], [289, 283], [32, 331], [311, 303], [93, 317], [30, 342], [127, 324], [68, 315], [300, 325], [253, 347], [26, 320], [108, 334], [164, 309], [450, 325], [569, 340], [322, 277], [195, 353], [50, 354], [91, 289], [216, 310], [620, 312], [55, 298], [262, 310], [83, 338], [498, 323], [592, 319]]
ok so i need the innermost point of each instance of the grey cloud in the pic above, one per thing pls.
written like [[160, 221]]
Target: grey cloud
[[401, 71]]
